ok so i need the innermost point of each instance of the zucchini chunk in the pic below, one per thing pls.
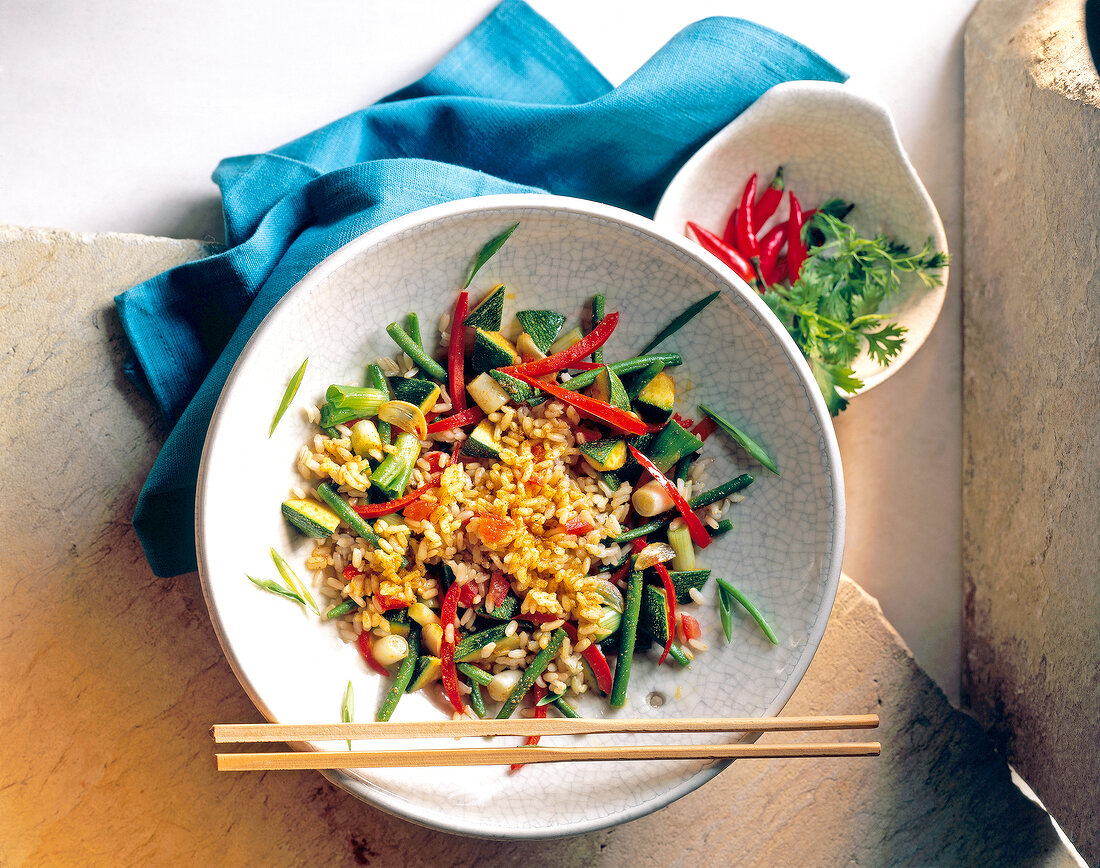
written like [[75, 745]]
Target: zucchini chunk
[[311, 518], [607, 454], [419, 393], [654, 403], [672, 443], [609, 389], [492, 350], [487, 393], [489, 313], [542, 326], [684, 580], [428, 670], [481, 443], [504, 612], [519, 391], [654, 615]]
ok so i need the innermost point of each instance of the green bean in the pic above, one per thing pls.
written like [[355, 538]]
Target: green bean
[[628, 634], [414, 329], [377, 378], [757, 615], [597, 318], [477, 701], [473, 643], [426, 363], [342, 609], [682, 320], [714, 495], [403, 677], [474, 673], [532, 672], [565, 708], [626, 366], [347, 515]]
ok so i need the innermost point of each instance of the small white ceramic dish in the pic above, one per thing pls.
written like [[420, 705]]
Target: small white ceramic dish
[[830, 142], [785, 552]]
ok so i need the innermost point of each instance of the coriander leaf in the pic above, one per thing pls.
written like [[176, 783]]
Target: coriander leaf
[[886, 343]]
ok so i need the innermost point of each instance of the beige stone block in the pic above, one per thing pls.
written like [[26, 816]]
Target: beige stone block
[[1031, 397], [110, 678]]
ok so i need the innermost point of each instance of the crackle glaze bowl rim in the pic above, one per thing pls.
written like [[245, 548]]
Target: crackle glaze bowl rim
[[865, 123], [240, 634]]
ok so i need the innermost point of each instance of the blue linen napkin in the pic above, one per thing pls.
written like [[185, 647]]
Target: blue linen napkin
[[513, 108]]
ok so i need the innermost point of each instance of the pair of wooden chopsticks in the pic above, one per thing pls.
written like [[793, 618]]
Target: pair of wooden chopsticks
[[252, 733]]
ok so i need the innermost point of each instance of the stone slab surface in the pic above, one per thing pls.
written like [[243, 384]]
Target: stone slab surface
[[1031, 397], [110, 677]]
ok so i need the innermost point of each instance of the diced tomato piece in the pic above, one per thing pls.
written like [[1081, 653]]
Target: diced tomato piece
[[494, 529], [498, 588], [468, 594], [578, 526], [691, 628], [351, 572], [435, 460], [387, 604], [419, 510]]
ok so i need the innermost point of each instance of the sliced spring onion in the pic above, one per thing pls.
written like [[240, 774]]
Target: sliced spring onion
[[276, 588], [681, 321], [750, 608], [597, 317], [747, 443], [406, 416], [679, 537], [344, 403], [610, 621], [724, 613], [609, 593], [292, 579], [548, 699], [288, 395], [347, 710], [377, 378], [487, 252], [654, 553]]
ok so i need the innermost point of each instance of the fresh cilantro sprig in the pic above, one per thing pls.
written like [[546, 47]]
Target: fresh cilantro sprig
[[832, 310]]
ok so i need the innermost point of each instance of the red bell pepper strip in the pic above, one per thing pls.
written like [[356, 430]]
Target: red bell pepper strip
[[769, 201], [796, 247], [567, 357], [593, 656], [729, 256], [448, 617], [729, 235], [699, 534], [746, 221], [364, 643], [601, 410], [770, 245], [498, 589], [468, 595], [670, 599], [374, 510], [456, 374], [705, 428], [537, 694], [586, 366], [459, 420], [578, 526], [683, 421], [385, 604]]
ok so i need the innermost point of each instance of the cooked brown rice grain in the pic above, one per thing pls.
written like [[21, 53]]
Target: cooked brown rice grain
[[697, 644], [696, 596]]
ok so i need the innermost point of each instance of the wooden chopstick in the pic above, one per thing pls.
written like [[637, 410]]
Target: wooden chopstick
[[243, 762], [249, 733]]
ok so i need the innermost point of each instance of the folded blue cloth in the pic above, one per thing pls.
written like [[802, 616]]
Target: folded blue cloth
[[514, 108]]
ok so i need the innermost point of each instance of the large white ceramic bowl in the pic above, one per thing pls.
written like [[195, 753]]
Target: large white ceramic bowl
[[830, 141], [785, 552]]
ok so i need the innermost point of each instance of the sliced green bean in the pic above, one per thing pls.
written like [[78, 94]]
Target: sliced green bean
[[626, 366], [426, 363], [341, 610], [288, 396], [377, 378], [724, 526], [477, 701], [748, 444], [682, 320], [597, 318], [757, 615], [349, 516], [413, 329], [474, 673], [565, 708], [403, 677], [476, 641], [628, 634], [532, 672], [713, 495]]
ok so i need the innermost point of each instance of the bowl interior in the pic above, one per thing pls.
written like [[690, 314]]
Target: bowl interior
[[831, 142], [785, 552]]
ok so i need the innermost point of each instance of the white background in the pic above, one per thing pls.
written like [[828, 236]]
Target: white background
[[114, 113]]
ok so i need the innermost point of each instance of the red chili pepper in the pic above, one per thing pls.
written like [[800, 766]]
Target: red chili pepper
[[601, 410], [705, 428], [670, 599], [770, 246], [567, 357], [537, 694], [638, 543], [699, 534], [456, 375], [448, 617], [691, 628], [364, 643], [498, 589], [780, 271], [746, 221], [593, 656], [796, 247], [373, 510], [458, 420], [769, 201], [539, 617], [578, 526], [419, 510], [729, 235], [729, 256]]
